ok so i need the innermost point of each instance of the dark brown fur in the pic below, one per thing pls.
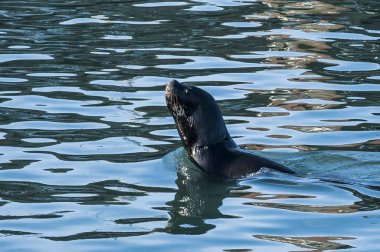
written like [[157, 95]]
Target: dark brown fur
[[205, 137]]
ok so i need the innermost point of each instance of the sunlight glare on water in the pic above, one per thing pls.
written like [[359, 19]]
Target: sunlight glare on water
[[90, 159]]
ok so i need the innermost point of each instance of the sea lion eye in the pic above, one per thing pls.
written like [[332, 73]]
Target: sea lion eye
[[187, 91]]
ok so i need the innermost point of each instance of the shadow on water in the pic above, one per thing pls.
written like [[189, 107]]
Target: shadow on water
[[196, 201]]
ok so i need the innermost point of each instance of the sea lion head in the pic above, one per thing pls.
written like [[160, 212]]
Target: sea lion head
[[197, 116]]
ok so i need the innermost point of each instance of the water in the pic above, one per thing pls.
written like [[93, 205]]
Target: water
[[90, 159]]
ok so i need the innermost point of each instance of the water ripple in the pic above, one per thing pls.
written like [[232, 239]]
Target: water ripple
[[299, 34], [90, 159], [26, 56], [202, 62], [342, 65]]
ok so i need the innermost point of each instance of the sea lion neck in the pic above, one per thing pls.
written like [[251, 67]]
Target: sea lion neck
[[198, 118], [204, 134]]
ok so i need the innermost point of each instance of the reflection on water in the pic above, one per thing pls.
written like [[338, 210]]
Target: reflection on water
[[90, 157], [317, 243]]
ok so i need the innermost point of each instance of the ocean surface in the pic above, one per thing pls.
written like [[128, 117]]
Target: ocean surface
[[90, 159]]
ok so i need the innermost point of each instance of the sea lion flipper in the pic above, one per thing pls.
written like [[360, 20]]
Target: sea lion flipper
[[266, 163]]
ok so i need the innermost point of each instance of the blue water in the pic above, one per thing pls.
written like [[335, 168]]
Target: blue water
[[90, 159]]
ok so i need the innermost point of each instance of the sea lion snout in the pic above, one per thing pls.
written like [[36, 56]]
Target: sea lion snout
[[169, 91], [173, 84], [177, 93]]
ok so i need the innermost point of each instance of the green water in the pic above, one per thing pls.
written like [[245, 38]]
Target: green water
[[90, 159]]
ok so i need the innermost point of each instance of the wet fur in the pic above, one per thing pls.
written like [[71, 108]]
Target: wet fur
[[205, 137]]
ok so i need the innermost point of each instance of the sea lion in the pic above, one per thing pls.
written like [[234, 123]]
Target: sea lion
[[205, 137]]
